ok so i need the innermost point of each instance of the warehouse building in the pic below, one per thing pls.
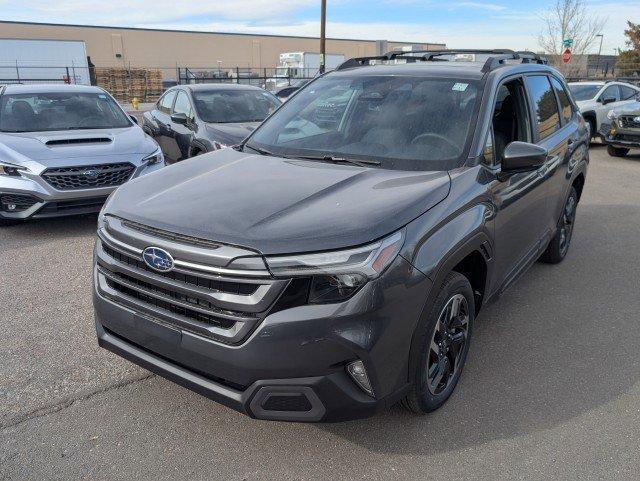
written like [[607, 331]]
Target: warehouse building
[[167, 49]]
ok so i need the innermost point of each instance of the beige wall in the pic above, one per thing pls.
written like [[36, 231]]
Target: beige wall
[[168, 49]]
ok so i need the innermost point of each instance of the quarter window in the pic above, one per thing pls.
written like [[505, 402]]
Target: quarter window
[[165, 103], [544, 104], [563, 98], [183, 105]]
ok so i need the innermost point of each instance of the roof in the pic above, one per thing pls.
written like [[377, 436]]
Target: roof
[[462, 70], [46, 88], [219, 86]]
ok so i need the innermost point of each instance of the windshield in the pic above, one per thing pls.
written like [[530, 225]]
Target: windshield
[[37, 112], [408, 123], [228, 106], [583, 91]]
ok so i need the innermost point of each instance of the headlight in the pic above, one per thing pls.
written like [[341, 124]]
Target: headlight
[[337, 275], [10, 169], [611, 115], [154, 158]]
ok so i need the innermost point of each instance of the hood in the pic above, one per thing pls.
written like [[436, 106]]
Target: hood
[[230, 134], [632, 108], [49, 147], [276, 205]]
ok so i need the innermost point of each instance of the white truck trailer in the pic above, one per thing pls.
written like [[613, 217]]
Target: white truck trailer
[[42, 61], [297, 65]]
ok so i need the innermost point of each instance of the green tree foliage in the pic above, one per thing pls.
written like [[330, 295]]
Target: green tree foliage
[[629, 60]]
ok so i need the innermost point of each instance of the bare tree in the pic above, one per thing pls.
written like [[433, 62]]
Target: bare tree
[[570, 19]]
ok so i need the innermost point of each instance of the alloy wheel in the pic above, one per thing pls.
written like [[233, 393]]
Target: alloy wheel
[[566, 224], [447, 344]]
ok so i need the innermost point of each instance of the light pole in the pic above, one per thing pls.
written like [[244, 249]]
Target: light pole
[[599, 52], [323, 21]]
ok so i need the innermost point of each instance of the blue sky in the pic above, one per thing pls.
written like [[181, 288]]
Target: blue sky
[[475, 23]]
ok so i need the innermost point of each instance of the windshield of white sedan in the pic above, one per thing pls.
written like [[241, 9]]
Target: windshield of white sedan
[[584, 91], [37, 112], [230, 106], [408, 123]]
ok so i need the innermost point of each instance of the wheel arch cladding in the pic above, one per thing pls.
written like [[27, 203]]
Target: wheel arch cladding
[[578, 184]]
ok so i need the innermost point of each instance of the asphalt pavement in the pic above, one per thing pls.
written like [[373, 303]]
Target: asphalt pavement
[[551, 389]]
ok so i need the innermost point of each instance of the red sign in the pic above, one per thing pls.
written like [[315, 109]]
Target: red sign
[[566, 56]]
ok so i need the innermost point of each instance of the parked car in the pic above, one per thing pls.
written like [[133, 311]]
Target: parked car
[[285, 92], [330, 266], [596, 99], [64, 149], [189, 120], [623, 132]]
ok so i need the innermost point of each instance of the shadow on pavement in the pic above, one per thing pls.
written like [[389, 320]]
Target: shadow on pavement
[[43, 231]]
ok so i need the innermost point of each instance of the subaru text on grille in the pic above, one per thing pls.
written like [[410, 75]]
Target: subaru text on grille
[[335, 261]]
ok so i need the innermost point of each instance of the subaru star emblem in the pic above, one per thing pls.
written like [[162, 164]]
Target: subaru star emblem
[[637, 119], [158, 259], [92, 174]]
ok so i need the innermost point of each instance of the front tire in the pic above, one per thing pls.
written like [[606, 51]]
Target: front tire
[[441, 346], [559, 246], [616, 151]]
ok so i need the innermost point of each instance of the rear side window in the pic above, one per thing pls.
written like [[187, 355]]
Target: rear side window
[[627, 93], [166, 102], [544, 104], [563, 98]]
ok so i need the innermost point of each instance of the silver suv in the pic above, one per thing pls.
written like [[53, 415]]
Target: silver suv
[[64, 149]]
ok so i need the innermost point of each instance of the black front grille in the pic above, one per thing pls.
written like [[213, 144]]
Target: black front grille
[[211, 319], [238, 288], [629, 122], [17, 202], [88, 176]]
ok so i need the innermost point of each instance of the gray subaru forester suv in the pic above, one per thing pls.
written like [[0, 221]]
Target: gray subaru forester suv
[[334, 262], [64, 149]]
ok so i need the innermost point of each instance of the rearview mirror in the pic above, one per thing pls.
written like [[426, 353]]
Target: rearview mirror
[[608, 100], [179, 118], [522, 157]]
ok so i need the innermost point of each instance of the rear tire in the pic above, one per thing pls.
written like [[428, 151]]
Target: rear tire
[[559, 246], [441, 346], [616, 151]]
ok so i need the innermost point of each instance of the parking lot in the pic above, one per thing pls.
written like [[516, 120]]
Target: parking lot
[[551, 389]]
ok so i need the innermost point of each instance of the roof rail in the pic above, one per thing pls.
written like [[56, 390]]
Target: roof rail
[[497, 57]]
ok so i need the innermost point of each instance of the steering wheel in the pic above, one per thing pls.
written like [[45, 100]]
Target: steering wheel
[[439, 138], [88, 120]]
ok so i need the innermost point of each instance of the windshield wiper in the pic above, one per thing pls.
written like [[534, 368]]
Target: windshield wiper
[[338, 159], [259, 150]]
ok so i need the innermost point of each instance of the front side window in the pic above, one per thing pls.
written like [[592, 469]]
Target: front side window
[[408, 123], [183, 105], [611, 92], [544, 105], [234, 106], [46, 111], [165, 103], [563, 98]]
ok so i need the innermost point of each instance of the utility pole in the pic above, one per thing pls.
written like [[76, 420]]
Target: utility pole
[[323, 22], [599, 52]]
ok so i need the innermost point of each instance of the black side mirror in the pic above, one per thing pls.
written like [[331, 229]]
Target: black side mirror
[[133, 119], [608, 100], [522, 157], [179, 118]]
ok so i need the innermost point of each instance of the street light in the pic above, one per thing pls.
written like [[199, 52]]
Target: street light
[[323, 21], [599, 52]]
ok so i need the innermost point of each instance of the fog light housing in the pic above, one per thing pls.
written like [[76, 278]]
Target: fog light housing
[[359, 374]]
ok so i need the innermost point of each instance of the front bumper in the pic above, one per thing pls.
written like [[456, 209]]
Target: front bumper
[[620, 137], [36, 198], [292, 367]]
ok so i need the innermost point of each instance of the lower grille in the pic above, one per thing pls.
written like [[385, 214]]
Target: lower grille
[[287, 402], [17, 202], [629, 122], [88, 176], [73, 206]]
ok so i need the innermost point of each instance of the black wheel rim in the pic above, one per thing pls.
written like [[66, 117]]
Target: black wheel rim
[[566, 224], [447, 344]]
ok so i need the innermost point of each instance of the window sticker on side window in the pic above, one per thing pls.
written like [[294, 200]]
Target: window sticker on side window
[[459, 87]]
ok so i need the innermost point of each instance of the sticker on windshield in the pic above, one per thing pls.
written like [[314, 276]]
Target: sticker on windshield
[[459, 87], [102, 96]]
